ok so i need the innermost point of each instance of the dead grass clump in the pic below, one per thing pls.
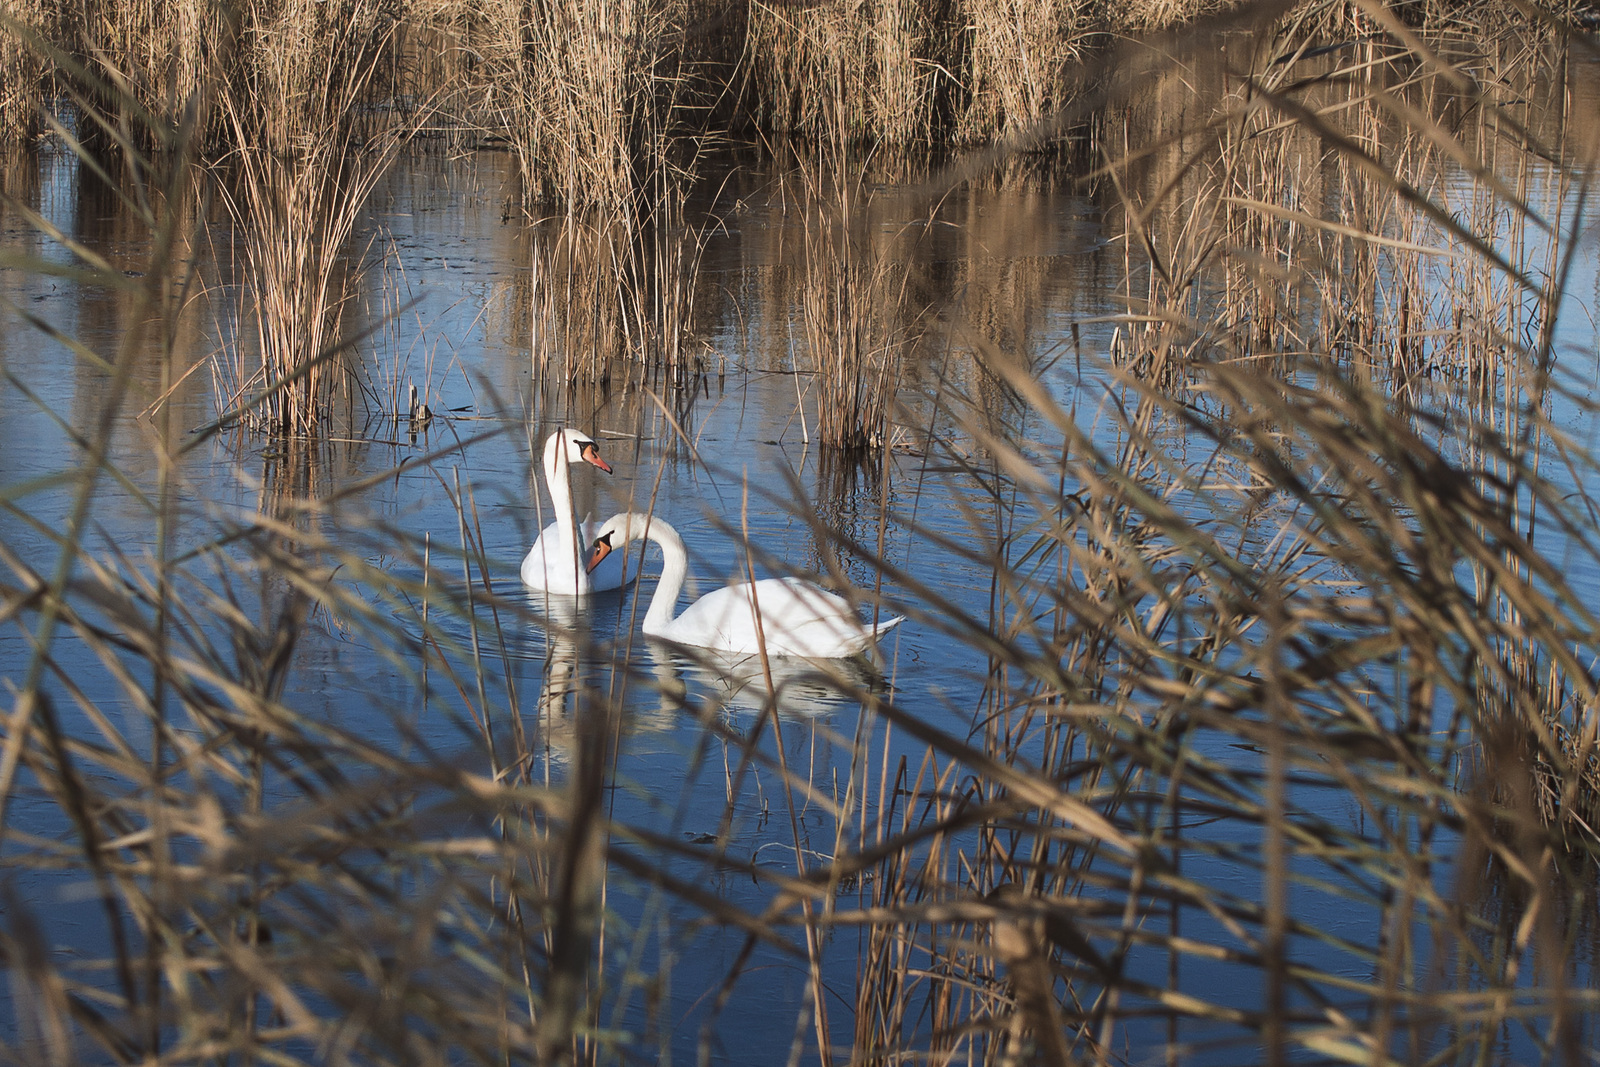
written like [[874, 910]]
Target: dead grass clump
[[854, 309], [586, 94], [913, 72], [25, 25], [308, 152]]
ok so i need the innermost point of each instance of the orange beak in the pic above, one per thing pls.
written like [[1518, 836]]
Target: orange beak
[[602, 549], [592, 454]]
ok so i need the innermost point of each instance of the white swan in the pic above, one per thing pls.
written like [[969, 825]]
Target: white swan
[[552, 564], [787, 616]]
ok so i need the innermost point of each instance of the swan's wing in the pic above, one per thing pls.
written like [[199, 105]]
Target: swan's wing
[[787, 603], [801, 618], [825, 637]]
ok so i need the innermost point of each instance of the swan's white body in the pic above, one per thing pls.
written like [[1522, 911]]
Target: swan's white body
[[553, 563], [786, 616]]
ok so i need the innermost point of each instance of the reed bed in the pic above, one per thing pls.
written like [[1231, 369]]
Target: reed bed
[[584, 324], [21, 69], [1025, 61], [1330, 655], [592, 99], [309, 155], [858, 325], [831, 72], [592, 102], [155, 55], [586, 95], [608, 110], [609, 298]]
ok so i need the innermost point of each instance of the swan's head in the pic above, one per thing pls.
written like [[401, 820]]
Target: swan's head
[[618, 530], [614, 533], [575, 447], [598, 551]]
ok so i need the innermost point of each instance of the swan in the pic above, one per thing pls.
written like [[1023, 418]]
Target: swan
[[788, 616], [552, 564]]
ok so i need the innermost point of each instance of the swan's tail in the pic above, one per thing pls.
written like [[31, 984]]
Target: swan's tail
[[878, 629]]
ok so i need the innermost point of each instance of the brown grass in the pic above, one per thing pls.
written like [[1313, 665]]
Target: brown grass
[[855, 306], [309, 154]]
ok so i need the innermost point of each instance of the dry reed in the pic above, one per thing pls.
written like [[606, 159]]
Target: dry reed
[[308, 154], [854, 309], [610, 293], [586, 95], [23, 71]]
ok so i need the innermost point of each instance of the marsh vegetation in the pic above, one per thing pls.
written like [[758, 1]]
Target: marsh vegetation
[[1211, 390]]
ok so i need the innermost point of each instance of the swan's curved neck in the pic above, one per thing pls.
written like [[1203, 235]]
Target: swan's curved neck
[[556, 472], [674, 569]]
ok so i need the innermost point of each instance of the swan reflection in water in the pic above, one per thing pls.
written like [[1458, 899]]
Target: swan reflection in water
[[572, 690], [730, 682], [582, 683]]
